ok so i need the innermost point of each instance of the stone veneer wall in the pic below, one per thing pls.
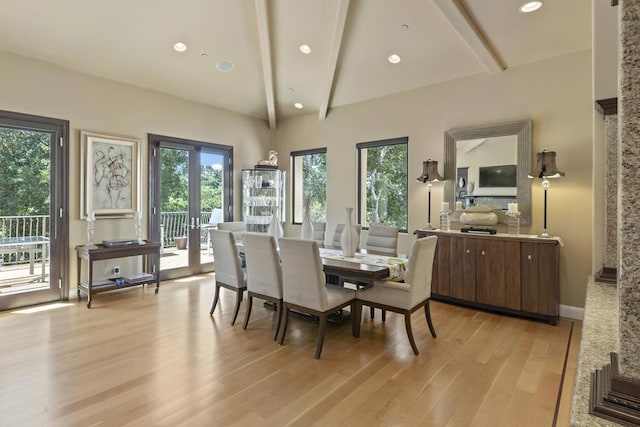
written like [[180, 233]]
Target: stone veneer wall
[[599, 338], [611, 191], [629, 188]]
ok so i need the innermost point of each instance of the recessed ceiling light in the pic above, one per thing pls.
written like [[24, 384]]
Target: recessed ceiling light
[[179, 47], [298, 105], [530, 6], [394, 58], [305, 48], [224, 65], [404, 27]]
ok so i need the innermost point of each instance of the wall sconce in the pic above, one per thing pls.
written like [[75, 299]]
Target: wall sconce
[[546, 168], [429, 174]]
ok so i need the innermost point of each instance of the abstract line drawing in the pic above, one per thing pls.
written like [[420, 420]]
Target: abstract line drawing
[[110, 175]]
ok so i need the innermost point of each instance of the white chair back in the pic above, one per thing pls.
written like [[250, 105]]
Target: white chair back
[[303, 279], [383, 240], [337, 234], [236, 227], [227, 260], [420, 268], [264, 274], [319, 232]]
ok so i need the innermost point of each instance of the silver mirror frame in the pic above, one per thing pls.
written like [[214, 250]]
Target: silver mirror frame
[[522, 129]]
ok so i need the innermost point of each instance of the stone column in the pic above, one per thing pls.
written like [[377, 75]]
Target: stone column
[[629, 189], [611, 191]]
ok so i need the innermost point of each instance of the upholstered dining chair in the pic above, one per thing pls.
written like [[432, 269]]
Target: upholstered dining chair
[[382, 240], [319, 232], [404, 297], [229, 272], [236, 227], [264, 274], [337, 235], [305, 288]]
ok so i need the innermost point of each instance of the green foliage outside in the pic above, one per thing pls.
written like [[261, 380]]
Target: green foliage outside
[[24, 175], [174, 189], [386, 186], [314, 185]]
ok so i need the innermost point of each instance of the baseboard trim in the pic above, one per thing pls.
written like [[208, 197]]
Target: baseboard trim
[[571, 312]]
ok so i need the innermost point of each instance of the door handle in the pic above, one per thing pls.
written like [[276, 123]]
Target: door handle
[[193, 223], [198, 223]]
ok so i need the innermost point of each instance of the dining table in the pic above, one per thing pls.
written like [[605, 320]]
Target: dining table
[[363, 268]]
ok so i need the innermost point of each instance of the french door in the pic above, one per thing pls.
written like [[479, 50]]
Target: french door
[[190, 192], [34, 221]]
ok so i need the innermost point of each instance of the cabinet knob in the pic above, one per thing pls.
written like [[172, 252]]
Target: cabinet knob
[[483, 253], [529, 257], [467, 250]]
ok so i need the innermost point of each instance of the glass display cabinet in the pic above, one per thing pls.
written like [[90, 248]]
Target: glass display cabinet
[[263, 195]]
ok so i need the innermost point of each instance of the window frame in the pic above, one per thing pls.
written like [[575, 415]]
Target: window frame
[[292, 157], [375, 144]]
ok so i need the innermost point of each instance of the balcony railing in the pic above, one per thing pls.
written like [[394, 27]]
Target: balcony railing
[[175, 224], [21, 226]]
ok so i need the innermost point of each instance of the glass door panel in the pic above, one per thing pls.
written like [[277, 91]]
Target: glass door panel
[[174, 208], [190, 194], [26, 185]]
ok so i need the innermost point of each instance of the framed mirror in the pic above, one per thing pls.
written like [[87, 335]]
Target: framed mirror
[[488, 166]]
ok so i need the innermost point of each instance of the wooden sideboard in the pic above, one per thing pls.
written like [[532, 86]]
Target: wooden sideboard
[[516, 274]]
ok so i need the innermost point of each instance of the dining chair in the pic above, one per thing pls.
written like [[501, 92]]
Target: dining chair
[[382, 240], [319, 232], [236, 227], [228, 271], [305, 288], [337, 234], [264, 274], [404, 297]]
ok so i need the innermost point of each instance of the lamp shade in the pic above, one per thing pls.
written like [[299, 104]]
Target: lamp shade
[[430, 172], [546, 166]]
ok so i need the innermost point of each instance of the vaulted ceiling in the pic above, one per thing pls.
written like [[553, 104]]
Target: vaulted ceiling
[[131, 41]]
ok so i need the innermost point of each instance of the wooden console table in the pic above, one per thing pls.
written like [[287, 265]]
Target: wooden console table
[[516, 274], [147, 250]]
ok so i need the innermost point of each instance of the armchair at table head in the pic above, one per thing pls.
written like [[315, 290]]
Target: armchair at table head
[[229, 272], [409, 296], [264, 273]]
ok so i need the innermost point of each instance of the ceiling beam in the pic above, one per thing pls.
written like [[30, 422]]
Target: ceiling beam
[[460, 20], [334, 55], [265, 53]]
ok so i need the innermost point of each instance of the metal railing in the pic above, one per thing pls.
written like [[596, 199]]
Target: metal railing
[[175, 224], [22, 226]]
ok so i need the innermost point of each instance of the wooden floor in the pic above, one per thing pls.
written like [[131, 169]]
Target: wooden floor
[[141, 359]]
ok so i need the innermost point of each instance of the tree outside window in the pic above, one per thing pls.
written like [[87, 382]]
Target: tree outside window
[[382, 183], [309, 172]]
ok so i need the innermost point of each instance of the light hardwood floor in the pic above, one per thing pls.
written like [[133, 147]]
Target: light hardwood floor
[[141, 359]]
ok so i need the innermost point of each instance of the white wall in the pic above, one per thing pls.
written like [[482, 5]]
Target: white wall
[[554, 94], [90, 103]]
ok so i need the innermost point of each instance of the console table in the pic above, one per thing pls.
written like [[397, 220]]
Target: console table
[[516, 274], [100, 252]]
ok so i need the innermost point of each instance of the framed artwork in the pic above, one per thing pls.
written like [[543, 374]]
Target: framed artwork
[[110, 181]]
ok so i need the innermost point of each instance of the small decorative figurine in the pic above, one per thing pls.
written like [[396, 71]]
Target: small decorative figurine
[[272, 161]]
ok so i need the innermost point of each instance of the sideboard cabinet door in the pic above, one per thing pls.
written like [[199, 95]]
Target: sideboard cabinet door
[[463, 268], [490, 278], [539, 276], [441, 269]]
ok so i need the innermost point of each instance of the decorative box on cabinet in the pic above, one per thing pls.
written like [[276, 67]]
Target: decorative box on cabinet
[[514, 274], [263, 195]]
